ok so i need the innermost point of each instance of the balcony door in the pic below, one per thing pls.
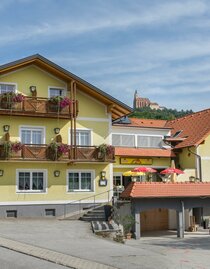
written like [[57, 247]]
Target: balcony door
[[32, 135]]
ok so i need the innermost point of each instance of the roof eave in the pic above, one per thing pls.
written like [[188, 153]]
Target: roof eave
[[118, 110]]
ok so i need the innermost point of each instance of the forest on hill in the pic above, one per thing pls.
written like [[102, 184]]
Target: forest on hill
[[159, 114]]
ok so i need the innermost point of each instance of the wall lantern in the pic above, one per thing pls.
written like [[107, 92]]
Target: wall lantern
[[6, 128], [32, 89], [103, 174], [56, 173], [103, 180], [56, 130], [1, 172]]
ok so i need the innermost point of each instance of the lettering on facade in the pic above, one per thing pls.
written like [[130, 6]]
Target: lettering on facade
[[135, 161]]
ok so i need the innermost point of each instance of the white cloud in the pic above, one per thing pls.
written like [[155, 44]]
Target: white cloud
[[99, 19]]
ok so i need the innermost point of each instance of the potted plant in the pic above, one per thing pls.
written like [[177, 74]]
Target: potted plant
[[56, 150], [8, 99], [57, 103], [104, 150], [11, 149], [16, 149], [128, 222], [7, 149]]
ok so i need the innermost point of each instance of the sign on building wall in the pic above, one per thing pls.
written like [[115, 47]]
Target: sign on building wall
[[135, 161]]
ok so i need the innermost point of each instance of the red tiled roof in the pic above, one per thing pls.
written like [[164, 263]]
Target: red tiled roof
[[160, 189], [195, 128], [142, 152], [145, 123]]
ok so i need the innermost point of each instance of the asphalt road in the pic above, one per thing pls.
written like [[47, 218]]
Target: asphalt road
[[156, 251]]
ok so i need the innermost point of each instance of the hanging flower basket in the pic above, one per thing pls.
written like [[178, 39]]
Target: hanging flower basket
[[57, 150], [57, 103], [105, 150], [9, 99], [11, 149]]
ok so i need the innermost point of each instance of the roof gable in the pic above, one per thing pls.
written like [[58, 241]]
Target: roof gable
[[116, 107]]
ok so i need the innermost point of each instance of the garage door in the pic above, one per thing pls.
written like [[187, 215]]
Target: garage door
[[154, 220]]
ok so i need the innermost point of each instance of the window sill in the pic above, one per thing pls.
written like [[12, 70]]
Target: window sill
[[82, 191], [31, 192]]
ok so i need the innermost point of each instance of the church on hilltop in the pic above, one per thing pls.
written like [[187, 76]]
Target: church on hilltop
[[139, 102]]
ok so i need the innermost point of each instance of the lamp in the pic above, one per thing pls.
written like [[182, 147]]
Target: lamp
[[103, 174], [56, 173], [6, 128], [57, 130], [103, 180], [1, 172], [32, 88]]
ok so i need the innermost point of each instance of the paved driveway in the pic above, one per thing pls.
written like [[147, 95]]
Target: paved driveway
[[76, 238]]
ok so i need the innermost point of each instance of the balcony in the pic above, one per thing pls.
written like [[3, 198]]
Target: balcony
[[38, 107], [45, 153]]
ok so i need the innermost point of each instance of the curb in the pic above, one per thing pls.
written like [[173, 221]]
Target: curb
[[51, 256]]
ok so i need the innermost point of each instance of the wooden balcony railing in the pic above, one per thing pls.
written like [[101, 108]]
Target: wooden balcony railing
[[38, 107], [44, 153]]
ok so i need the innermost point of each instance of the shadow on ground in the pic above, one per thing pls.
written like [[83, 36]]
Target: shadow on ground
[[192, 240]]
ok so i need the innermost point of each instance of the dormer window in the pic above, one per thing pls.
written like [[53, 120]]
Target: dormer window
[[177, 133]]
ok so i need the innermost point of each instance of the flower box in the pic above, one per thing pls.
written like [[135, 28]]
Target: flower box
[[9, 100]]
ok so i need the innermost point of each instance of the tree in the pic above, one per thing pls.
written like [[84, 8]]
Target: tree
[[164, 114]]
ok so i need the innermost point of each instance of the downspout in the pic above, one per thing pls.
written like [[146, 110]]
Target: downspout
[[199, 168]]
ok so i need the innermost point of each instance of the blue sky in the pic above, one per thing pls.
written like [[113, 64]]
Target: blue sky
[[160, 48]]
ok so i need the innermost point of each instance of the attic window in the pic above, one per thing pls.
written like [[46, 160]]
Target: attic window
[[177, 133], [123, 120]]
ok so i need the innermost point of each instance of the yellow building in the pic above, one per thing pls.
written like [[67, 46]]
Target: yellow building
[[54, 127], [190, 138], [139, 142], [181, 202]]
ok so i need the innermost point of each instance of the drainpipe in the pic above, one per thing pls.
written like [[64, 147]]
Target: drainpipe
[[199, 168]]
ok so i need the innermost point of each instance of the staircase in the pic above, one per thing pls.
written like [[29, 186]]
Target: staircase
[[96, 214]]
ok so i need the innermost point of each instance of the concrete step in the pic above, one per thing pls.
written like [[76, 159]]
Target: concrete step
[[104, 226], [93, 213]]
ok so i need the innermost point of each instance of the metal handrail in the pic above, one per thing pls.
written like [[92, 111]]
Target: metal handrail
[[88, 197]]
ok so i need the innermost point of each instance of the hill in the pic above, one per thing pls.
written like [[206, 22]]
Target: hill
[[164, 114]]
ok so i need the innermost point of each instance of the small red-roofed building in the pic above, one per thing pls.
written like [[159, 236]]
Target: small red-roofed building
[[151, 203]]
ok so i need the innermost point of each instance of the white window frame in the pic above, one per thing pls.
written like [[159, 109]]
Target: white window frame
[[45, 176], [29, 127], [125, 134], [9, 83], [82, 129], [118, 174], [64, 90], [136, 139], [80, 171], [142, 135]]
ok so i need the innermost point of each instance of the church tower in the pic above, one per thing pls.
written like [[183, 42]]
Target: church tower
[[135, 99]]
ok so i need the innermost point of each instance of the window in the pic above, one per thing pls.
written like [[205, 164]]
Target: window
[[177, 133], [149, 141], [56, 92], [83, 137], [7, 88], [80, 181], [117, 180], [32, 135], [31, 181], [123, 140]]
